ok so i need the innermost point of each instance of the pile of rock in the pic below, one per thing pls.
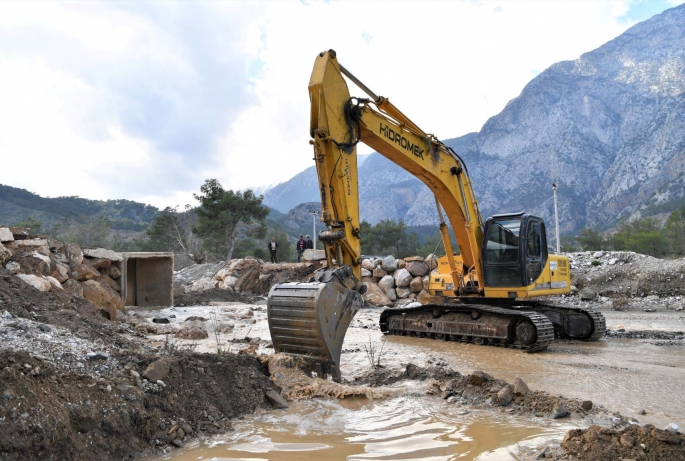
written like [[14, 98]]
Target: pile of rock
[[392, 281], [625, 273], [247, 275], [49, 265]]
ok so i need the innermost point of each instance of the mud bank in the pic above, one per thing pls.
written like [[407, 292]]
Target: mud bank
[[77, 386]]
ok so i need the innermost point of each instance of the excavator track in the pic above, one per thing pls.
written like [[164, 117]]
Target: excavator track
[[480, 324], [579, 323]]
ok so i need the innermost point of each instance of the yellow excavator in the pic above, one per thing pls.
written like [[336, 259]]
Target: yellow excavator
[[481, 295]]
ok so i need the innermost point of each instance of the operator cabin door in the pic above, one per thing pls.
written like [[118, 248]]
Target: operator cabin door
[[535, 251]]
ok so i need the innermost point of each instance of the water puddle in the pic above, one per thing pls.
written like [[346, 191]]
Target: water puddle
[[420, 428]]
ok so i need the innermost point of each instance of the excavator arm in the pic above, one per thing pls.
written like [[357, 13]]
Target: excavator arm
[[338, 123]]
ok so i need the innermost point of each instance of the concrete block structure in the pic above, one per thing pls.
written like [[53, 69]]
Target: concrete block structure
[[147, 279]]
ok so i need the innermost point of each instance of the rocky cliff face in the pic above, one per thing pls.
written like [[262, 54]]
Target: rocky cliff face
[[607, 128]]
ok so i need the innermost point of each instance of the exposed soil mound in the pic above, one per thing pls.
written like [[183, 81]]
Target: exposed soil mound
[[633, 442], [73, 384]]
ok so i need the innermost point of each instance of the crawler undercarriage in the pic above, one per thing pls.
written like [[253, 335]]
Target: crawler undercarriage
[[527, 325]]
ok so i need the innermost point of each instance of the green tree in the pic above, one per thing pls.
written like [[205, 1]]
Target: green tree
[[568, 244], [33, 225], [432, 245], [221, 211], [674, 231], [91, 232], [172, 231], [642, 236], [365, 239], [389, 237], [252, 243], [590, 239]]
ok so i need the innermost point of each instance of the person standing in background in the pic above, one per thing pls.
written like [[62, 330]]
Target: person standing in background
[[273, 246], [301, 246], [310, 244]]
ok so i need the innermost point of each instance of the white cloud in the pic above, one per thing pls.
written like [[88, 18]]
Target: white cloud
[[146, 100]]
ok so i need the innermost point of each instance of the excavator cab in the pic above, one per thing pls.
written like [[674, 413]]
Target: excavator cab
[[514, 250]]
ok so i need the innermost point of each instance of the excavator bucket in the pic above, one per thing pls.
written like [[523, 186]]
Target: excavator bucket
[[310, 320]]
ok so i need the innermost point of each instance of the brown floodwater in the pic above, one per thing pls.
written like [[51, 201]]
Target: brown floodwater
[[421, 428], [626, 375]]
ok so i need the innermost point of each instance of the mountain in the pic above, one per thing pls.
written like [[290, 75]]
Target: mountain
[[19, 204], [608, 128], [301, 188]]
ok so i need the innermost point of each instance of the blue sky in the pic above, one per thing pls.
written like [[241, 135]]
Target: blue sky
[[146, 100]]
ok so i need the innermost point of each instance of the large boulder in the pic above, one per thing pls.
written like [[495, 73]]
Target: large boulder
[[401, 263], [375, 296], [368, 265], [313, 255], [100, 263], [366, 273], [59, 271], [83, 272], [402, 292], [69, 254], [402, 278], [391, 293], [416, 285], [505, 395], [228, 283], [107, 280], [418, 268], [73, 287], [520, 387], [113, 272], [386, 283], [102, 253], [193, 332], [5, 254], [413, 258], [40, 245], [432, 261], [13, 267], [379, 273], [54, 283], [36, 281], [202, 285], [157, 370], [426, 282], [389, 264], [222, 274], [101, 295], [6, 235]]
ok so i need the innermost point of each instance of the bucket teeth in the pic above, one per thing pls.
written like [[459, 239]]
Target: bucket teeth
[[309, 320]]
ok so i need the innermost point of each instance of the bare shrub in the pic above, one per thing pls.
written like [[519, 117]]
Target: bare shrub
[[620, 303]]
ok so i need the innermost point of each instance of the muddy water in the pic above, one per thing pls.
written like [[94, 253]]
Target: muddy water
[[625, 375], [399, 428]]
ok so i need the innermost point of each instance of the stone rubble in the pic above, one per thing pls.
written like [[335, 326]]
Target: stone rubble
[[46, 264]]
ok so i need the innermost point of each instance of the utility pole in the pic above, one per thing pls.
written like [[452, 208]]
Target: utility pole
[[556, 218], [314, 214]]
